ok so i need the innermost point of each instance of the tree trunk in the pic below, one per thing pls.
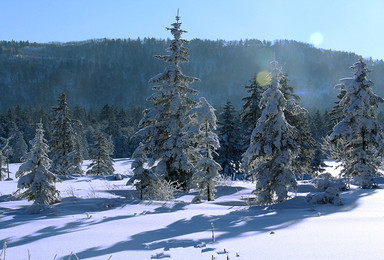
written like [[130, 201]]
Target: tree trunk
[[209, 193]]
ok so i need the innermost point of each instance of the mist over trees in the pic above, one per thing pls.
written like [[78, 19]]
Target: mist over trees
[[116, 72]]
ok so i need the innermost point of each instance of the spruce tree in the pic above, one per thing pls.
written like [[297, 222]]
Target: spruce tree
[[34, 174], [65, 142], [142, 178], [301, 130], [19, 147], [160, 128], [272, 146], [318, 127], [251, 111], [317, 164], [100, 154], [3, 168], [229, 153], [4, 154], [335, 149], [199, 133], [359, 129]]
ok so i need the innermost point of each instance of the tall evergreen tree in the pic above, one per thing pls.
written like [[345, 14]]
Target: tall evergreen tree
[[65, 142], [272, 146], [229, 153], [100, 154], [160, 128], [301, 130], [359, 129], [251, 111], [34, 174], [199, 131]]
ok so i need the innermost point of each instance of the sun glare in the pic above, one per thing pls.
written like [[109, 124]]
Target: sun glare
[[316, 38], [263, 78]]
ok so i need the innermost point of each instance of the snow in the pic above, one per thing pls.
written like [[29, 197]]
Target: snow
[[99, 217]]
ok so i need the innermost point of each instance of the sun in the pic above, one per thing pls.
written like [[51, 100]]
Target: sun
[[316, 38]]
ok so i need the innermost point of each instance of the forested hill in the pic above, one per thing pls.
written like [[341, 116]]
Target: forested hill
[[116, 72]]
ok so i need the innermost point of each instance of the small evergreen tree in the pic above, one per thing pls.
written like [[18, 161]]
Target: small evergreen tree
[[19, 147], [318, 127], [65, 142], [272, 146], [100, 154], [3, 168], [142, 178], [229, 153], [34, 174], [160, 128], [4, 153], [200, 133], [359, 129], [317, 164]]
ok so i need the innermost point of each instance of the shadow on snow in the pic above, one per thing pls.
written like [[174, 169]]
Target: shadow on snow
[[259, 219], [247, 218]]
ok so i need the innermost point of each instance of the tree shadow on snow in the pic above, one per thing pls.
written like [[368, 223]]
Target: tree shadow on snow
[[77, 206], [255, 219], [123, 161]]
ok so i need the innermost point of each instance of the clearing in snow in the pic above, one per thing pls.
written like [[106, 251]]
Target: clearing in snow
[[101, 218]]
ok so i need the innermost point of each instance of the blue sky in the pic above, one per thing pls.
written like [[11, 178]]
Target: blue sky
[[347, 25]]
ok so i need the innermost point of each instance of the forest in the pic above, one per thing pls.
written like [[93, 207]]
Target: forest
[[115, 72]]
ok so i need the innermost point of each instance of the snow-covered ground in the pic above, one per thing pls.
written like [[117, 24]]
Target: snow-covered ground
[[100, 218]]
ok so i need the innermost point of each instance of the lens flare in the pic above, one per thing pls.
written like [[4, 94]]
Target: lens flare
[[263, 78], [316, 38]]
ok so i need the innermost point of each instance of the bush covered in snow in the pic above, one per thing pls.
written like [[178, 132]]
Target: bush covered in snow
[[323, 183], [330, 195]]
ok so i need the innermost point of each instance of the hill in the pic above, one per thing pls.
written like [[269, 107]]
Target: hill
[[107, 71]]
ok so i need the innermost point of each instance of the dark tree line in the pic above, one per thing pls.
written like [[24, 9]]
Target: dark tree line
[[20, 124]]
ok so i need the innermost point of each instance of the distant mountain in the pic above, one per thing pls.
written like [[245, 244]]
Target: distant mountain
[[116, 72]]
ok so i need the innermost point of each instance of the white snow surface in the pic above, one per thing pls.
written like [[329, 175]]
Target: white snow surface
[[100, 218]]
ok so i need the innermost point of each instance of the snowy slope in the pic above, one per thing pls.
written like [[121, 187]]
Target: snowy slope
[[99, 218]]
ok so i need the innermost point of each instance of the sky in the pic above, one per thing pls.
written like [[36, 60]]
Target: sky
[[343, 25]]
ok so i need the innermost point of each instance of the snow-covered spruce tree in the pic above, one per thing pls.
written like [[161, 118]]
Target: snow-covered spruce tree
[[19, 147], [161, 127], [272, 146], [142, 178], [3, 169], [301, 130], [359, 129], [199, 134], [65, 142], [100, 154], [4, 153], [34, 174], [229, 153], [251, 111]]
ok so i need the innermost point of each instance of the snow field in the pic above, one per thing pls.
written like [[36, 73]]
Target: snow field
[[105, 219]]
